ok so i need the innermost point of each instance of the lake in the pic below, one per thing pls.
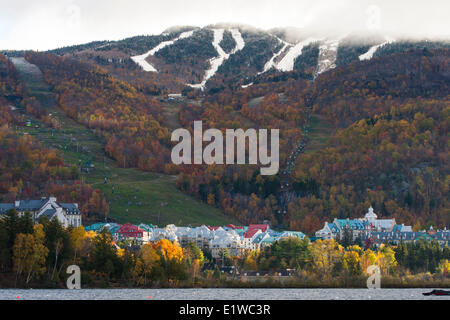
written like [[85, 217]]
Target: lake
[[217, 294]]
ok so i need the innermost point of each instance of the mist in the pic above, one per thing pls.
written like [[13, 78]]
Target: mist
[[48, 24]]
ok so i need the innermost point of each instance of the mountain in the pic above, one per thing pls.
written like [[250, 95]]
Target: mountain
[[227, 54], [363, 121]]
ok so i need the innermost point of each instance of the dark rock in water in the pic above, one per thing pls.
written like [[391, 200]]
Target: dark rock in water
[[437, 293]]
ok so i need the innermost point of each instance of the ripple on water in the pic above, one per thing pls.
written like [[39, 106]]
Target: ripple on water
[[217, 294]]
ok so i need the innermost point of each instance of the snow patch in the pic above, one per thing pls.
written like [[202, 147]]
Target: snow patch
[[247, 85], [369, 54], [327, 56], [140, 60], [216, 62], [240, 43], [287, 63], [271, 63]]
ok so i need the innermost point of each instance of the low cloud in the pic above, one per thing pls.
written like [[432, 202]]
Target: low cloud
[[47, 24]]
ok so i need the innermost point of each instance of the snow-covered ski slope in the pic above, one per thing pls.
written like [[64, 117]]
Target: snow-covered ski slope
[[271, 63], [282, 60], [141, 59], [369, 54], [327, 56], [287, 63], [240, 43], [216, 62]]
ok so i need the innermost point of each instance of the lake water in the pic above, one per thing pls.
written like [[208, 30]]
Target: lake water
[[217, 294]]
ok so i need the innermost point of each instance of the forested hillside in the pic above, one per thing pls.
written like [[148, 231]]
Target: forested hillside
[[390, 148], [371, 129], [127, 120], [27, 169]]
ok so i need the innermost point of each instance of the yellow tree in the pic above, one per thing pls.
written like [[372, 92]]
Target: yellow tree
[[22, 252], [250, 261], [172, 260], [368, 258], [169, 250], [194, 258], [40, 253], [148, 259], [444, 267], [351, 262], [30, 253], [386, 259], [78, 238], [325, 254]]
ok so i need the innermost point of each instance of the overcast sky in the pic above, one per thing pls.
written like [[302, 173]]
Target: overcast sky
[[47, 24]]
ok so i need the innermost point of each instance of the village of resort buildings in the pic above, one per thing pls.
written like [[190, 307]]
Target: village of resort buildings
[[370, 230]]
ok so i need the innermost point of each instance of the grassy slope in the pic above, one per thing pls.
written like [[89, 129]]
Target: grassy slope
[[142, 193], [319, 133]]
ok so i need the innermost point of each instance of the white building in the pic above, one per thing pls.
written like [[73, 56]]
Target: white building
[[234, 239], [229, 240], [67, 214], [361, 227]]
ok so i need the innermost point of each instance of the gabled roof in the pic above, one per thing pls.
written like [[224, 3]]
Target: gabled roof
[[48, 213], [287, 234], [354, 224], [146, 227], [442, 235], [250, 233], [71, 208], [397, 236], [425, 236], [262, 227], [32, 205], [36, 205], [341, 223], [260, 237], [384, 223], [6, 207], [269, 239], [232, 226], [125, 228], [333, 227], [95, 227]]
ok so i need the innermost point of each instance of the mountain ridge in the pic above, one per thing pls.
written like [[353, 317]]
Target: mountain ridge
[[188, 58]]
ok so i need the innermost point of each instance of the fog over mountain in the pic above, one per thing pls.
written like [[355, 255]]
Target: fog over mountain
[[47, 24]]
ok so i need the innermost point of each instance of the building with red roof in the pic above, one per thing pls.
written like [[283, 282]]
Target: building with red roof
[[129, 231], [232, 226], [250, 233], [262, 227]]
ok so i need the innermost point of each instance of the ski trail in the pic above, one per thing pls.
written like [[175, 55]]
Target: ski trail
[[369, 54], [327, 56], [240, 43], [140, 60], [287, 63], [216, 62], [271, 63]]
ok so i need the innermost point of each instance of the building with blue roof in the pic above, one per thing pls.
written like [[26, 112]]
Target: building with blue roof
[[395, 237], [67, 214], [96, 227], [359, 228]]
